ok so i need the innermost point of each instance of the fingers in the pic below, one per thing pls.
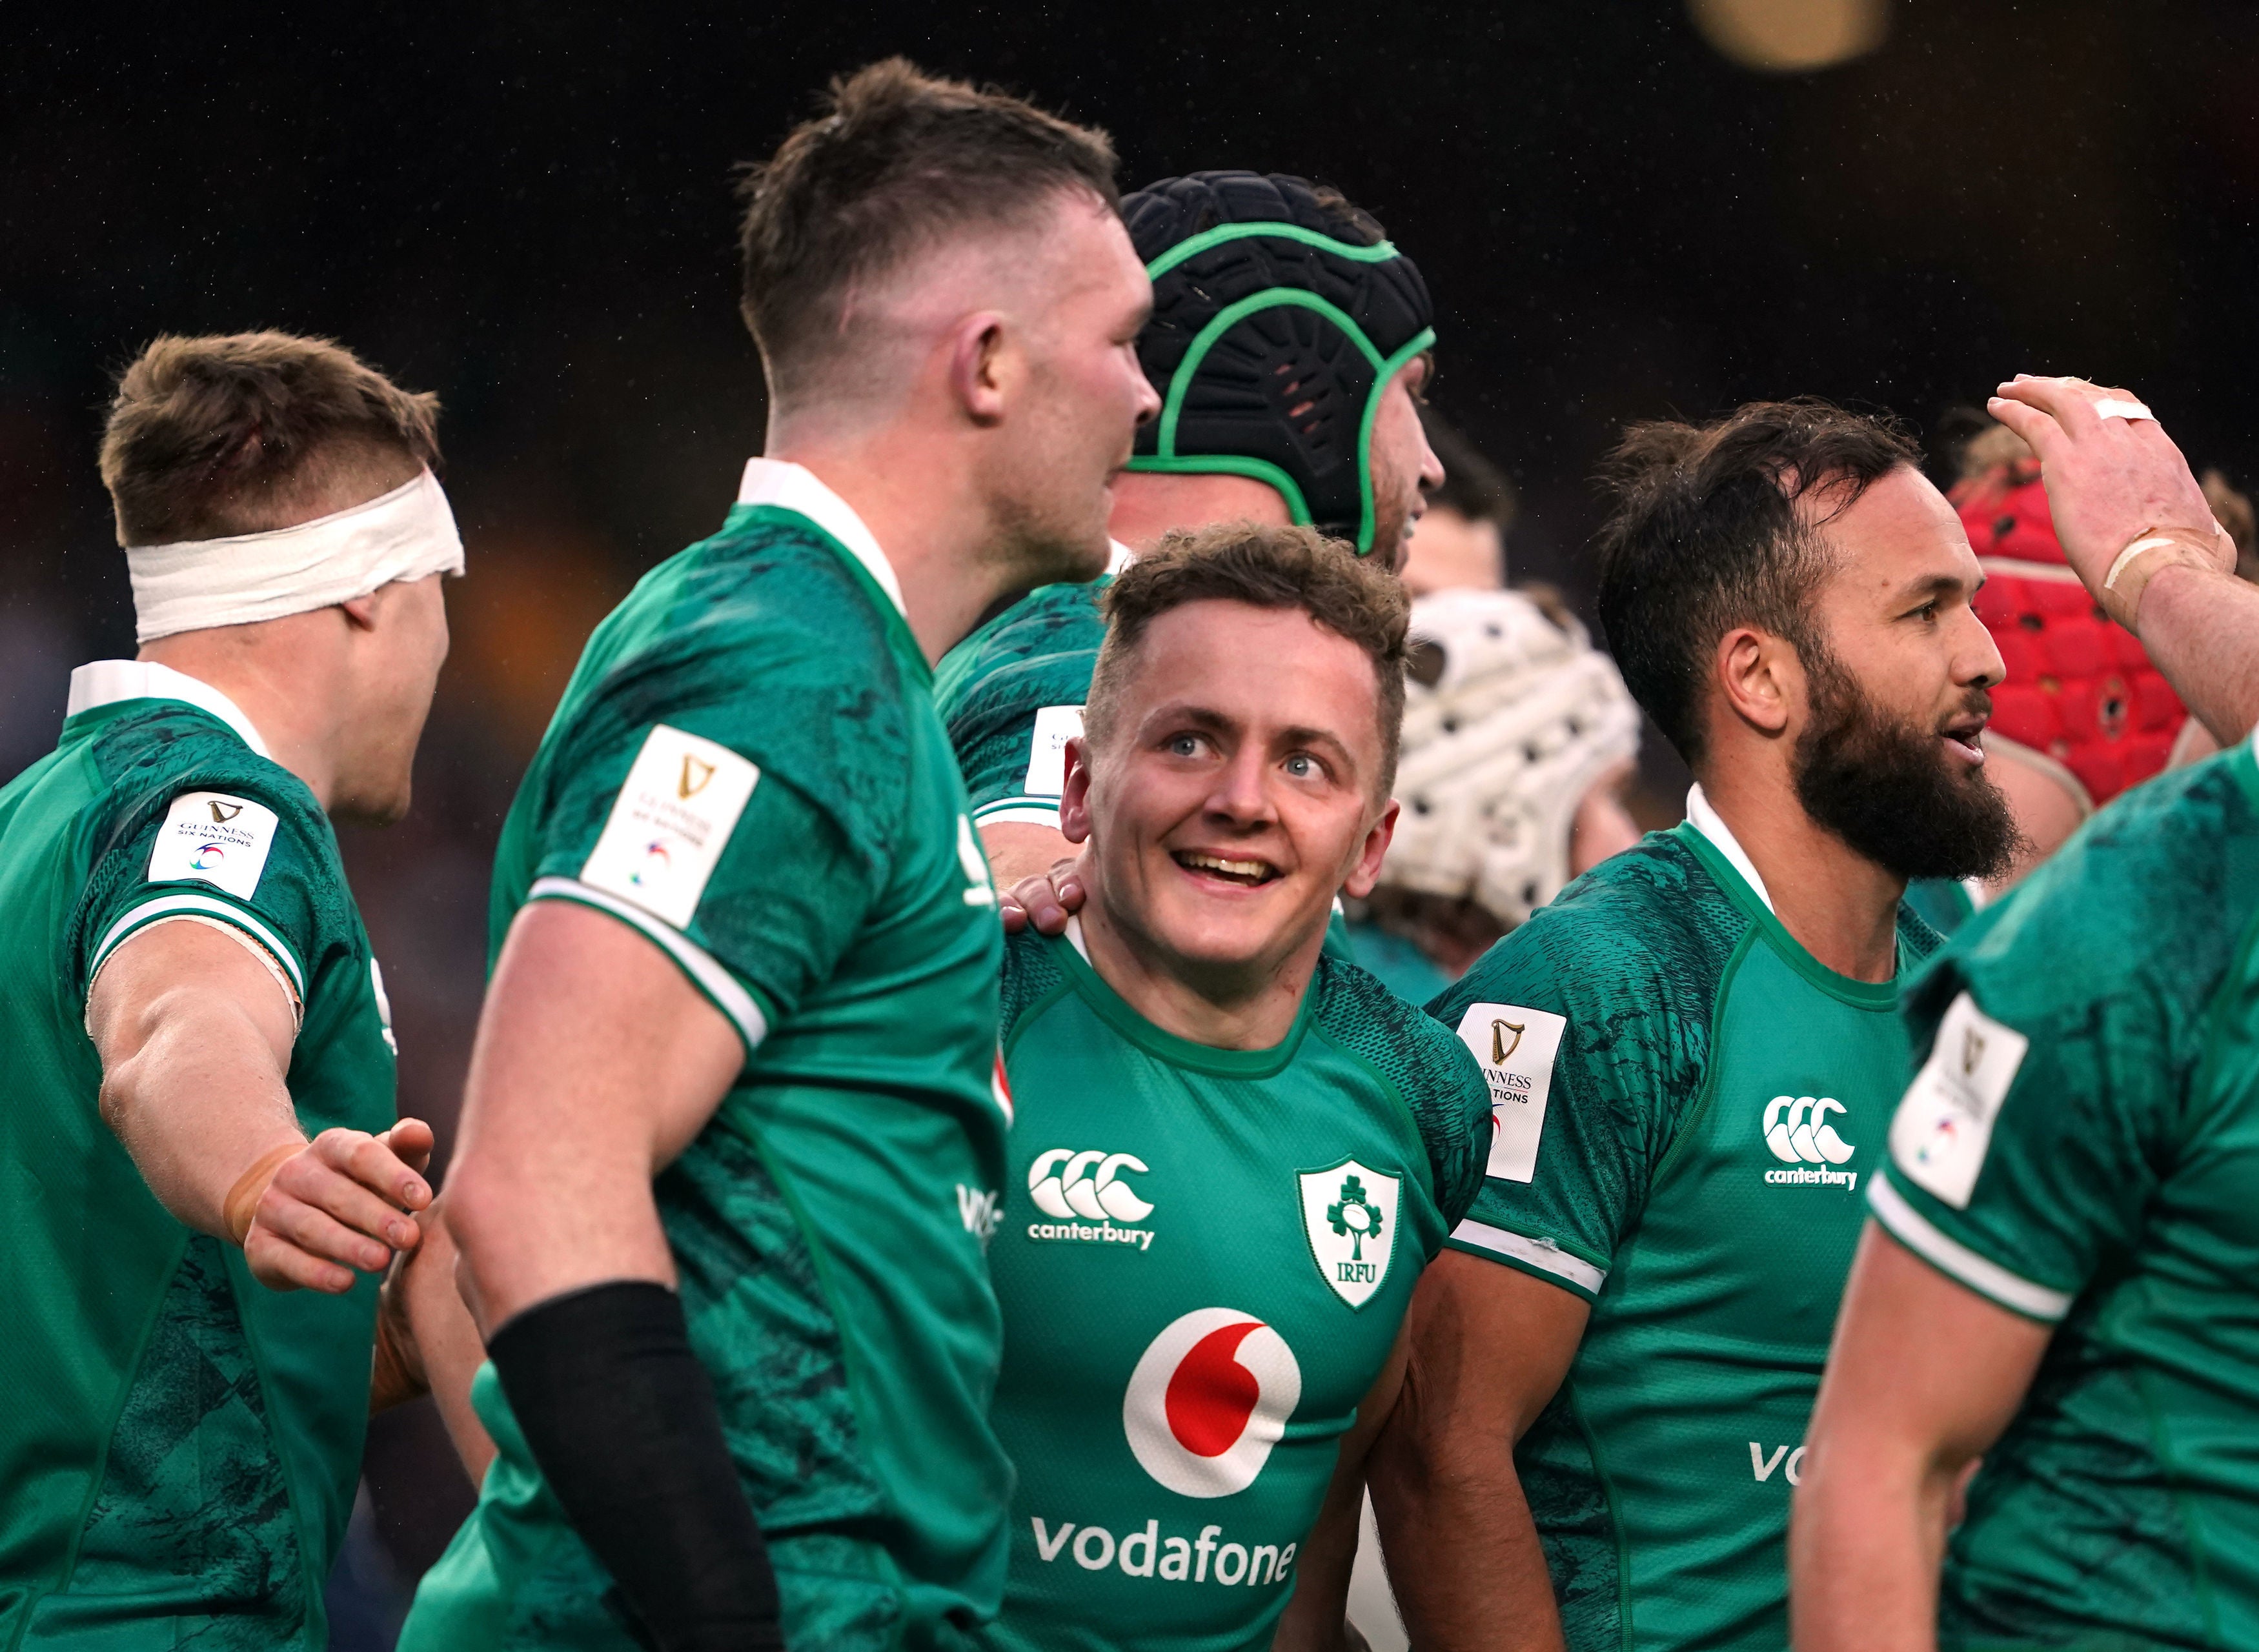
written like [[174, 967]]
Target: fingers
[[2068, 401], [1039, 899], [295, 1244], [1014, 916], [281, 1265], [372, 1161], [2039, 429], [411, 1142], [307, 1180]]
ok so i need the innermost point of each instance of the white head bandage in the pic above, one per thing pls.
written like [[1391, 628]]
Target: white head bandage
[[197, 584], [1500, 749]]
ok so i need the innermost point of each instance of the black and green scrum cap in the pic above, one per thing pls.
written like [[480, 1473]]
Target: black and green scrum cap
[[1271, 340]]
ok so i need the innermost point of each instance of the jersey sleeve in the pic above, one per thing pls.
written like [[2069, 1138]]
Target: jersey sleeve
[[2028, 1147], [1011, 697], [752, 884], [2061, 1045], [1580, 1056], [233, 845]]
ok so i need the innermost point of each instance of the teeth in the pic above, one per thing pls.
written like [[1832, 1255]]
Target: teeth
[[1230, 868]]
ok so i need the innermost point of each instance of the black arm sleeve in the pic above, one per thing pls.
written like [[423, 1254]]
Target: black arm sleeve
[[621, 1418]]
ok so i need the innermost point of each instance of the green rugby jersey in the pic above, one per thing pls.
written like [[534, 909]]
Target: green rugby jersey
[[747, 768], [182, 1444], [1687, 1103], [1011, 696], [2081, 1145], [1205, 1276]]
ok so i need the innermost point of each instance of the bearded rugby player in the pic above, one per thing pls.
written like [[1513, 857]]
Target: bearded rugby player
[[2056, 1278], [732, 1151], [1693, 1052], [1237, 1153], [204, 1177], [1263, 281]]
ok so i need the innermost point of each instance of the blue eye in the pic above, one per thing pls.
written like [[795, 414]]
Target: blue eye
[[1301, 765], [1184, 744]]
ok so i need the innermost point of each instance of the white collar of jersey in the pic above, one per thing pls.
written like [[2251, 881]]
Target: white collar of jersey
[[790, 486], [1118, 556], [1706, 820], [107, 681], [1074, 936]]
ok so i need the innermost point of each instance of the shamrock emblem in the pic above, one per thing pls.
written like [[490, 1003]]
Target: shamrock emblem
[[1355, 1216]]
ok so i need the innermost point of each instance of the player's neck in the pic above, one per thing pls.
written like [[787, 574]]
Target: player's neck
[[1248, 1008], [1841, 906], [1148, 505], [281, 679]]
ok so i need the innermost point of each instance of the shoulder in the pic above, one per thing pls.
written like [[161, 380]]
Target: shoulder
[[1648, 928], [763, 640], [1033, 977], [1357, 1011], [1049, 636], [2149, 902], [1433, 1072], [146, 760]]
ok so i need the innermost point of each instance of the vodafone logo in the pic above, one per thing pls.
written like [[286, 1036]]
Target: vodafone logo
[[1209, 1398]]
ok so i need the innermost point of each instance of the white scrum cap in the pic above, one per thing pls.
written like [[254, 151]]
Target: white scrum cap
[[1509, 718], [197, 584]]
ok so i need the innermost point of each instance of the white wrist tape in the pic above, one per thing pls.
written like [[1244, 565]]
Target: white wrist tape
[[197, 584]]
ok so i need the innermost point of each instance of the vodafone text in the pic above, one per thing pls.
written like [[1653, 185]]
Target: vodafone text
[[1147, 1554]]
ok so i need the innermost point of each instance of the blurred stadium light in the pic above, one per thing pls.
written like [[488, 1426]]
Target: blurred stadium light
[[1784, 37]]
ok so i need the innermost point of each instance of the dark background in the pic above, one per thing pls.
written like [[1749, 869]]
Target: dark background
[[527, 209]]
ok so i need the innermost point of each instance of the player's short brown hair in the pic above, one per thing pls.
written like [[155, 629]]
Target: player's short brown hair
[[1704, 535], [245, 432], [897, 161], [1264, 567]]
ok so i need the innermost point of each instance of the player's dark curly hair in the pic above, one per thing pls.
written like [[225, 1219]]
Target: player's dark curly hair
[[1706, 534], [1272, 568], [245, 432], [898, 159]]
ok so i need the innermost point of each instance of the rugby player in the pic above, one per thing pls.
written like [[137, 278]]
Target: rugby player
[[1237, 1153], [732, 1151], [204, 1178], [1693, 1053], [2057, 1276], [1290, 340]]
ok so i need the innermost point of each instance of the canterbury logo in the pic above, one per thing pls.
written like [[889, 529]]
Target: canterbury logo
[[223, 813], [1797, 1131], [1499, 1049], [695, 776], [1067, 1184]]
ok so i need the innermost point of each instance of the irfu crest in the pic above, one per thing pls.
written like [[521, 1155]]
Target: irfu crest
[[1349, 1215]]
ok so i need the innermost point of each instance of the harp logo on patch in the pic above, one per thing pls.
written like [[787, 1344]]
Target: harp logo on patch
[[670, 823]]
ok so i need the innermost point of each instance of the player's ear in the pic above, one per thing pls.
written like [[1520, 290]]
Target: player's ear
[[1758, 676], [1075, 793], [984, 367], [1364, 872]]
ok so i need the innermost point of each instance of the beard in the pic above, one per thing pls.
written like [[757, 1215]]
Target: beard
[[1886, 787]]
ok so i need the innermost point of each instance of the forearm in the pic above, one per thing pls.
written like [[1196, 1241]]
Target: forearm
[[197, 1099], [447, 1346], [1463, 1551], [1866, 1541], [2201, 629]]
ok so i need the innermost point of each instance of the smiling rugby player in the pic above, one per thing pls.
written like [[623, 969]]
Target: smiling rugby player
[[1239, 1154]]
